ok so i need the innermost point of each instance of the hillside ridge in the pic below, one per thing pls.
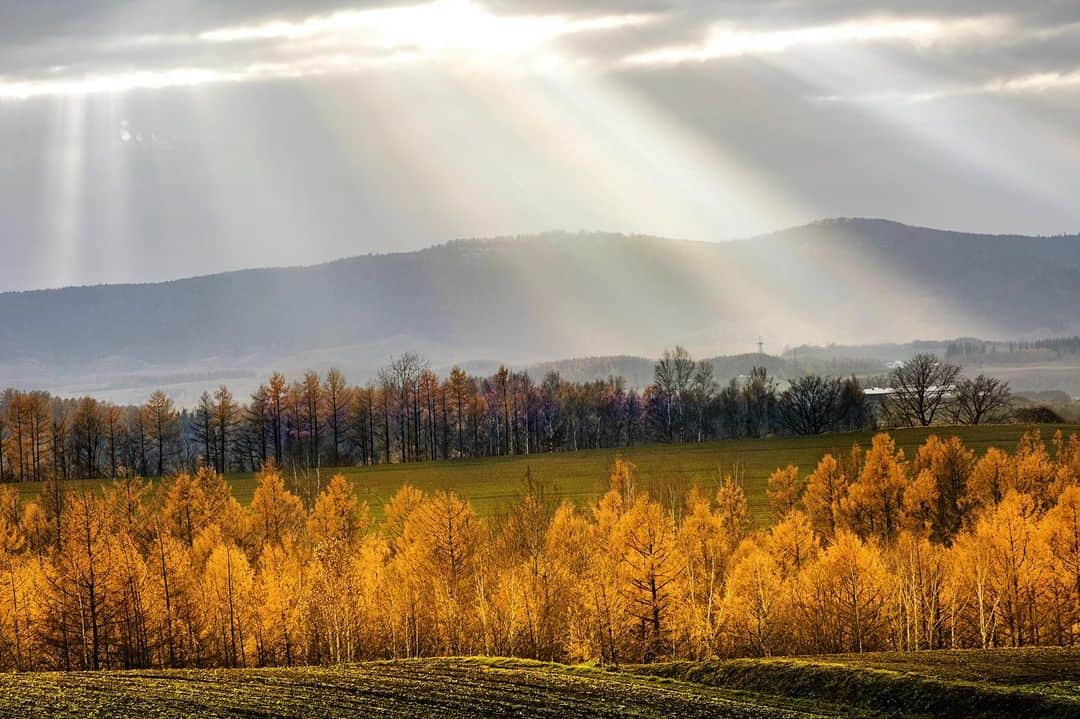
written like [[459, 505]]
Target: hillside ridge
[[526, 299], [500, 241]]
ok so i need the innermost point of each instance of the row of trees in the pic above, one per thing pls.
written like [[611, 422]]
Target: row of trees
[[410, 414], [44, 437], [868, 551], [978, 349]]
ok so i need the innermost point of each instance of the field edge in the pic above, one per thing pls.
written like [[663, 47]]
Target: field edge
[[878, 689]]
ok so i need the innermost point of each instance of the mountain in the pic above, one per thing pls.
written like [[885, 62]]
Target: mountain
[[525, 300]]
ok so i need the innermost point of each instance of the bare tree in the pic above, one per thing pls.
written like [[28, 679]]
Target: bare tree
[[460, 389], [203, 431], [758, 395], [405, 371], [226, 411], [136, 431], [276, 400], [256, 420], [162, 424], [704, 390], [671, 380], [311, 392], [852, 411], [983, 399], [335, 392], [809, 404], [386, 392], [86, 435], [921, 387], [114, 437]]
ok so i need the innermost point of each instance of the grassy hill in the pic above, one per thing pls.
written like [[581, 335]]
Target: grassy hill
[[990, 683], [1042, 682], [493, 483]]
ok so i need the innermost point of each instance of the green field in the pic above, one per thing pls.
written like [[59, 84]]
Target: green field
[[415, 688], [989, 683], [492, 483], [1035, 682]]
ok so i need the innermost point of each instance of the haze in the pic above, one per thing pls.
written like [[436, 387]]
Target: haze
[[143, 141]]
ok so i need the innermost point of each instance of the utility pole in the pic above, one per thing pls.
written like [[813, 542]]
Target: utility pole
[[760, 345]]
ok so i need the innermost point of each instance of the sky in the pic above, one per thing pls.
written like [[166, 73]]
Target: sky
[[142, 141]]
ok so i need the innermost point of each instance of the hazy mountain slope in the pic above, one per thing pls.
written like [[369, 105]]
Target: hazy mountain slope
[[1019, 284], [526, 300]]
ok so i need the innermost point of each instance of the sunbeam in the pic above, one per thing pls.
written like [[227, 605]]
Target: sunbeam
[[361, 354], [67, 179]]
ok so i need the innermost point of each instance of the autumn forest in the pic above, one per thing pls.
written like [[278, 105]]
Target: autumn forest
[[869, 550]]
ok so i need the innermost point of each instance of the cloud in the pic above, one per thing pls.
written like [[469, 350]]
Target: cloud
[[402, 123], [724, 41], [438, 26], [965, 42], [163, 79], [341, 41], [1034, 83]]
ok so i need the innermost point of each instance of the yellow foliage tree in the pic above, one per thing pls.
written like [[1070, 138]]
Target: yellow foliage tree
[[792, 544], [1061, 534], [873, 504], [922, 503], [993, 475], [194, 502], [277, 513], [280, 588], [705, 548], [338, 516], [1007, 557], [181, 575], [439, 547], [826, 488], [785, 489], [1035, 471], [733, 512], [568, 546], [651, 566], [623, 480], [846, 596], [948, 463], [755, 601], [919, 570], [228, 583]]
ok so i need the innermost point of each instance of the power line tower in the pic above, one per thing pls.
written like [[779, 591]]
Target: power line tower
[[760, 345]]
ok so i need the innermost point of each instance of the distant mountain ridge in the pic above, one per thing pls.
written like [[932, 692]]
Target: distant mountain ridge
[[525, 300]]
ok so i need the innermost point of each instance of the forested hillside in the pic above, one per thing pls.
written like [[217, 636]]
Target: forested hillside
[[531, 299]]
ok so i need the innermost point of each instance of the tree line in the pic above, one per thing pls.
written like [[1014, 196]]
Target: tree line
[[410, 414], [1060, 346], [871, 550]]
